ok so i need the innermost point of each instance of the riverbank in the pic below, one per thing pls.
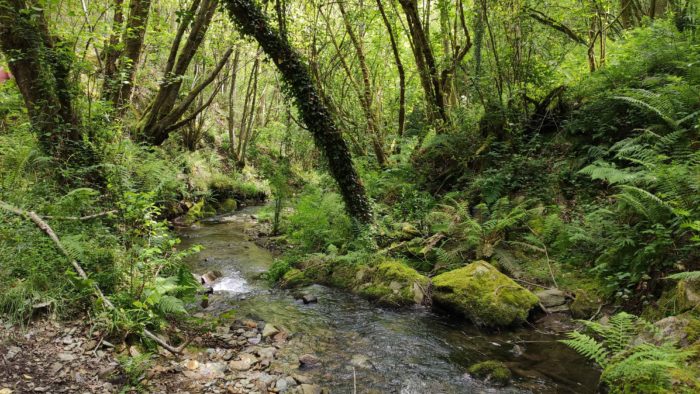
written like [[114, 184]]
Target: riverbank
[[56, 357]]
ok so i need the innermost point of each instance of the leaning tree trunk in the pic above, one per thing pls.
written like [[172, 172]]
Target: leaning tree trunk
[[252, 22], [41, 68]]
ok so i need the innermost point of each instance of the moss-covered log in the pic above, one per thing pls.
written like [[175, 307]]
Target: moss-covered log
[[252, 22]]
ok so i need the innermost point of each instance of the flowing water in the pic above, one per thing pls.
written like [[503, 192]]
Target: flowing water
[[370, 348]]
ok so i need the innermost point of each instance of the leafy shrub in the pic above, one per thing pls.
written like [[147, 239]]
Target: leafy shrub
[[319, 221]]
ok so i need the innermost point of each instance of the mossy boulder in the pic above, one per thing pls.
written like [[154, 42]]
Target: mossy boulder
[[228, 205], [483, 294], [688, 294], [394, 283], [198, 210], [390, 282], [294, 278], [491, 371], [584, 305]]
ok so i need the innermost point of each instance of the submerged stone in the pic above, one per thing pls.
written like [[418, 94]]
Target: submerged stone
[[492, 371], [483, 294]]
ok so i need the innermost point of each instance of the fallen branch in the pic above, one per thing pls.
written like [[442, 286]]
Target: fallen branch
[[87, 217], [47, 229]]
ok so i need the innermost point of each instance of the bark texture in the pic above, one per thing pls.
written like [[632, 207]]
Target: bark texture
[[41, 68], [252, 22]]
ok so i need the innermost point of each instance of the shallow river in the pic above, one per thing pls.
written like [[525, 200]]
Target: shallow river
[[374, 349]]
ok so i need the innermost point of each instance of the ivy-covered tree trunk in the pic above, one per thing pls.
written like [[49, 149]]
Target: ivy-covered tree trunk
[[252, 22], [41, 67]]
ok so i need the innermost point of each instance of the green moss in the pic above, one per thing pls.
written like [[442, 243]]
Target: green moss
[[390, 282], [584, 305], [394, 283], [483, 295], [344, 275], [294, 278], [228, 205], [492, 371], [692, 330]]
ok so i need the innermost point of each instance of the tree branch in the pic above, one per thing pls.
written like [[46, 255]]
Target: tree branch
[[546, 20], [79, 269]]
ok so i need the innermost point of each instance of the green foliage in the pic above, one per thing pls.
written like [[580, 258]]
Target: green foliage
[[318, 221], [629, 364], [135, 368], [476, 234]]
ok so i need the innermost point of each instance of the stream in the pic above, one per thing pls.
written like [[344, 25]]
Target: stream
[[370, 348]]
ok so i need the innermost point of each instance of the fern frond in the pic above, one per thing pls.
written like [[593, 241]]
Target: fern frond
[[587, 347], [171, 305], [691, 275]]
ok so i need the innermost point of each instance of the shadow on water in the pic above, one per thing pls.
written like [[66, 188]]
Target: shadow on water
[[382, 350]]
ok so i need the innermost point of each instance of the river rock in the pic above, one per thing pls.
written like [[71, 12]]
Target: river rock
[[483, 294], [309, 361], [244, 362], [551, 297], [267, 353], [211, 276], [553, 300], [309, 299], [269, 330], [281, 385]]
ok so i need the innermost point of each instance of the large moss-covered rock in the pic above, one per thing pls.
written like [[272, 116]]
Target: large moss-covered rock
[[394, 283], [483, 294]]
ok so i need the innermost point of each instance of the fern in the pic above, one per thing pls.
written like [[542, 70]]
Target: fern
[[171, 305], [587, 347], [627, 367], [691, 275]]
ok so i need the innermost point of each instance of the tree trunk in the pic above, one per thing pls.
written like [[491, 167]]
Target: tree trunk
[[425, 61], [41, 68], [252, 22], [163, 112], [111, 52], [231, 106], [399, 67], [373, 128], [134, 35]]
